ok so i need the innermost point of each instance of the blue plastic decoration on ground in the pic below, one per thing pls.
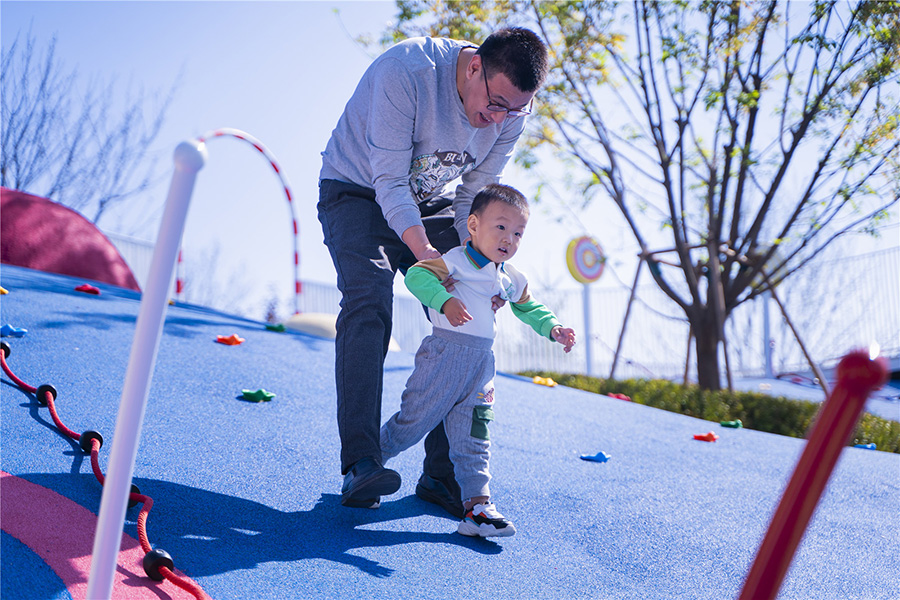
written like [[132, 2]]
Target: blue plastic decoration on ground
[[600, 457], [866, 446], [10, 331]]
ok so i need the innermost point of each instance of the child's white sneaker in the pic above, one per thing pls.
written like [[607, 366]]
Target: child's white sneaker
[[484, 520]]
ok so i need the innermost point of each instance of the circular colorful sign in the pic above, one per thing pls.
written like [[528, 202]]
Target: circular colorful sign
[[585, 259]]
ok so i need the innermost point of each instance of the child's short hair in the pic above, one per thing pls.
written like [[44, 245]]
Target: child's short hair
[[497, 192]]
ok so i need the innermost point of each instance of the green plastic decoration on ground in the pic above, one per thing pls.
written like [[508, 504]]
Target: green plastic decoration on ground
[[257, 395]]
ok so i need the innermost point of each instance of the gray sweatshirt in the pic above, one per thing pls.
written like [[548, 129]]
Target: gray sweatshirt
[[404, 133]]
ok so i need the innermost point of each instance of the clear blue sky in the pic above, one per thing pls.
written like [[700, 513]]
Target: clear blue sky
[[281, 71]]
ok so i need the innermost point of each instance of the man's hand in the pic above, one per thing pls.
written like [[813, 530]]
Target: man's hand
[[564, 335], [417, 241], [456, 312]]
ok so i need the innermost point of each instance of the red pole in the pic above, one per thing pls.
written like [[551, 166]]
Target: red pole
[[857, 376], [179, 278]]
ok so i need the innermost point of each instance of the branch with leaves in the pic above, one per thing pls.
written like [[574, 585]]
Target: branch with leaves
[[767, 128]]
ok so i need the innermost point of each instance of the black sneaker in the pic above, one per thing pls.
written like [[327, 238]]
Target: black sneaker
[[366, 482], [484, 520], [438, 492]]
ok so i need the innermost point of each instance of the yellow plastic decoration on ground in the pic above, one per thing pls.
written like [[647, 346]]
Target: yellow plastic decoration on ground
[[544, 381]]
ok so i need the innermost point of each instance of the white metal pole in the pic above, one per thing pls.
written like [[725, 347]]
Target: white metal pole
[[189, 159], [767, 335], [586, 300]]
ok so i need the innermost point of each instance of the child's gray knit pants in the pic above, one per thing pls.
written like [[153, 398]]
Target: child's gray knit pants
[[453, 382]]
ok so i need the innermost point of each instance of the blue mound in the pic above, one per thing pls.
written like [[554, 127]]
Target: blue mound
[[247, 494]]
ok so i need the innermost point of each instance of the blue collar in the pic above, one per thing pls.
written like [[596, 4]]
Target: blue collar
[[478, 259]]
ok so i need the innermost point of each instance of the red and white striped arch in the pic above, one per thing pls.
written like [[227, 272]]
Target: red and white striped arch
[[267, 154]]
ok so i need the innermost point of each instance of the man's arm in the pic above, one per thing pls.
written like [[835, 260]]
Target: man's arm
[[389, 137], [417, 240]]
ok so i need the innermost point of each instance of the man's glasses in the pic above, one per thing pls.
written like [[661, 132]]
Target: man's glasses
[[494, 107]]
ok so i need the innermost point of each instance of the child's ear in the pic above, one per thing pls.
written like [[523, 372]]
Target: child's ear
[[472, 223]]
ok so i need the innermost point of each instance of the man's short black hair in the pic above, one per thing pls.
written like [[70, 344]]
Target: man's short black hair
[[497, 192], [519, 54]]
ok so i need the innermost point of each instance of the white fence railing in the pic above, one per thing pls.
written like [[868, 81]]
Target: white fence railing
[[137, 253], [837, 305]]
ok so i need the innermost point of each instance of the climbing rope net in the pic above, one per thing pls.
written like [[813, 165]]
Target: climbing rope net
[[157, 563]]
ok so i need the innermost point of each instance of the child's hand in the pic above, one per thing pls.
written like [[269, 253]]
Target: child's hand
[[565, 336], [497, 303], [456, 312], [449, 283]]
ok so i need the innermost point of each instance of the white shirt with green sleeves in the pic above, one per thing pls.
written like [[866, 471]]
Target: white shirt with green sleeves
[[478, 280]]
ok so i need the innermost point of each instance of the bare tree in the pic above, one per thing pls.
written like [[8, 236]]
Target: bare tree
[[79, 146], [756, 132]]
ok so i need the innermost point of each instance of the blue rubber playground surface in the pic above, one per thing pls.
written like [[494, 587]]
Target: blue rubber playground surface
[[246, 495]]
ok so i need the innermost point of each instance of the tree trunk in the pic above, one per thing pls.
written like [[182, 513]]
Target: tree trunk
[[706, 334]]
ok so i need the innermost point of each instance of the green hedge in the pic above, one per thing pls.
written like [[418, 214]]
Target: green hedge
[[773, 414]]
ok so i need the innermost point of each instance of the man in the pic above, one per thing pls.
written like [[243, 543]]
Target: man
[[426, 112]]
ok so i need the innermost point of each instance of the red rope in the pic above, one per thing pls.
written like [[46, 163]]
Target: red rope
[[147, 501], [183, 583], [59, 424], [142, 520], [12, 375], [95, 460]]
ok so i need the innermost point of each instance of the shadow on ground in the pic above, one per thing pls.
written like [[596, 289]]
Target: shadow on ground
[[209, 533]]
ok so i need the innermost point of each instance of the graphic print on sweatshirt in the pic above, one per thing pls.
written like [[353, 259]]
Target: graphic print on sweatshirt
[[429, 173]]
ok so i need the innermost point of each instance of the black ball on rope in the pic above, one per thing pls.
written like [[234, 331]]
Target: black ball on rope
[[6, 349], [42, 390], [155, 559], [134, 490], [85, 440]]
